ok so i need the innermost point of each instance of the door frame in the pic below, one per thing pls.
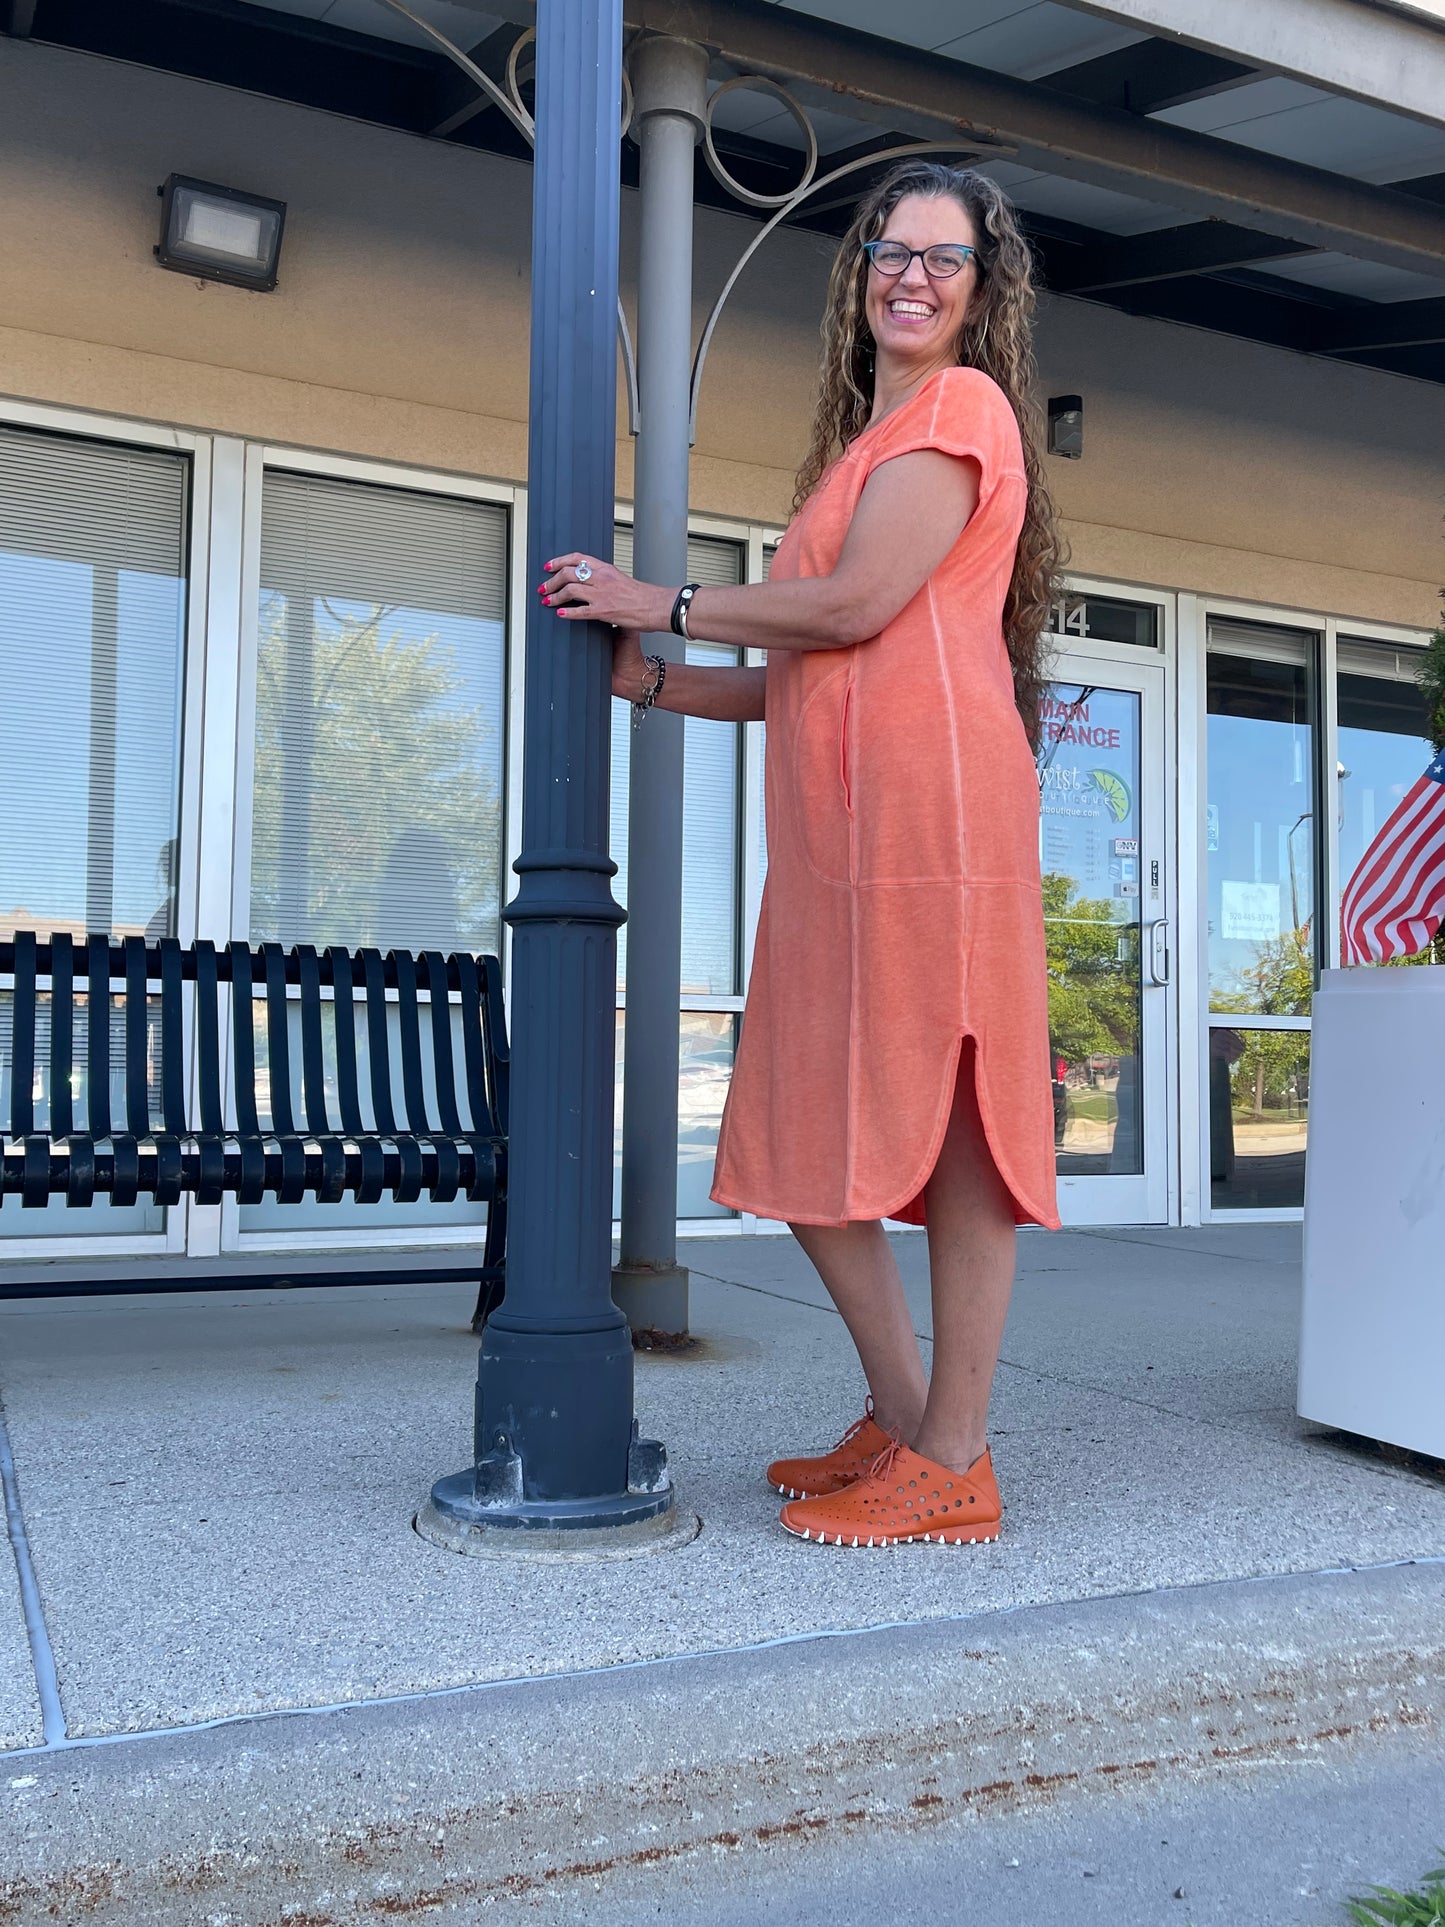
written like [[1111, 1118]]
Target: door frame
[[1151, 1197]]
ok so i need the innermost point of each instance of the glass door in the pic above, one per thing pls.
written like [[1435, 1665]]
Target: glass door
[[1108, 936]]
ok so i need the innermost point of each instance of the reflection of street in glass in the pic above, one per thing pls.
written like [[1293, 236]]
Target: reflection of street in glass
[[1269, 1136], [702, 1089]]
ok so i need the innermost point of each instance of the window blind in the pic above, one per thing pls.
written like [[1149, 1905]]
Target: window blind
[[380, 707], [92, 633], [710, 820]]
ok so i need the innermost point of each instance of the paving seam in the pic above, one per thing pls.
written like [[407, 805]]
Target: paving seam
[[1029, 1371], [42, 1656], [67, 1742], [1104, 1236]]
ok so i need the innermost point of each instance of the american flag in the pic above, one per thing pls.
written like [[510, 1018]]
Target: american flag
[[1394, 902]]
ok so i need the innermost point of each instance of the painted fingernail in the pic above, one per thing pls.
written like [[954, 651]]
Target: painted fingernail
[[548, 600]]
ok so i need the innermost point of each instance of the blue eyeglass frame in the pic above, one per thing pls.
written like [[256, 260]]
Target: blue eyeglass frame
[[968, 252]]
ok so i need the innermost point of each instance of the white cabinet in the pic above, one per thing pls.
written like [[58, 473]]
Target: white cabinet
[[1372, 1342]]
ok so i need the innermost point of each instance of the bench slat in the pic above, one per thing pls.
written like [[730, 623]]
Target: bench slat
[[409, 1025], [243, 1043], [97, 1037], [173, 1071], [473, 1040], [137, 1040], [278, 1040], [278, 1062], [378, 1048], [498, 1052], [251, 1180], [344, 1016], [441, 1042], [22, 1038], [330, 1185], [62, 1033], [371, 1177], [313, 1056], [208, 1037]]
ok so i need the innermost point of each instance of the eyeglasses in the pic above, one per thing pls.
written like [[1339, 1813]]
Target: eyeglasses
[[940, 263]]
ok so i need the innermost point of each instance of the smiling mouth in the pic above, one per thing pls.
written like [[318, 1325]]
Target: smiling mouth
[[911, 310]]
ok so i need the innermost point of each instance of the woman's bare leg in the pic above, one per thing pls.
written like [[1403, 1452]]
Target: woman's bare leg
[[856, 1263], [971, 1259]]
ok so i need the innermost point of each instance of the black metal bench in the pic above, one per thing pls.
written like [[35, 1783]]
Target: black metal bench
[[167, 1146]]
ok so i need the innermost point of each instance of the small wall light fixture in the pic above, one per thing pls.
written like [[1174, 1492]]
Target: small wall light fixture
[[1066, 426], [218, 234]]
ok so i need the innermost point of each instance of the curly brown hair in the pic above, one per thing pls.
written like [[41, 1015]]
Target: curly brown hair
[[996, 337]]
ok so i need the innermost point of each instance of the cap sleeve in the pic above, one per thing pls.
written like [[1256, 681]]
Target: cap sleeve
[[960, 412]]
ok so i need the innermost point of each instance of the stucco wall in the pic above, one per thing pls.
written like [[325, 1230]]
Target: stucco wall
[[399, 331]]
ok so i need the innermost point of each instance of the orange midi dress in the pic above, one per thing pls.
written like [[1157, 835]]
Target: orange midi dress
[[902, 911]]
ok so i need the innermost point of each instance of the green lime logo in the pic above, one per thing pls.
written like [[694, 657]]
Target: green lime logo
[[1115, 792]]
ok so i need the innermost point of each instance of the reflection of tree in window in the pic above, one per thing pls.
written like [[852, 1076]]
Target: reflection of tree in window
[[1278, 982], [1093, 996], [363, 741]]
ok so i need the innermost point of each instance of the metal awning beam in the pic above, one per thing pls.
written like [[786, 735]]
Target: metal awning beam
[[1396, 324], [899, 88], [1373, 53], [1149, 75], [896, 87], [1174, 166], [1203, 247]]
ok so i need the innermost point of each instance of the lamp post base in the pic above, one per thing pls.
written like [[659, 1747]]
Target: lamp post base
[[652, 1297], [560, 1531]]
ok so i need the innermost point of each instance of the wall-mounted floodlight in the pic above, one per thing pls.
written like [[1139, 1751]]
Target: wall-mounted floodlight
[[219, 234], [1066, 425]]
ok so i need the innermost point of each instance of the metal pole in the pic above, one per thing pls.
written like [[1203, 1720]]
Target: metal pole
[[669, 84], [558, 1462]]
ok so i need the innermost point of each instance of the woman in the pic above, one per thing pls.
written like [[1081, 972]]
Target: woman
[[894, 1053]]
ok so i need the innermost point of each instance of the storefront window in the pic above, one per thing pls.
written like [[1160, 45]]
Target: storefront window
[[1383, 743], [711, 765], [377, 794], [711, 896], [1259, 1087], [92, 632], [1263, 788], [706, 1042], [1089, 857]]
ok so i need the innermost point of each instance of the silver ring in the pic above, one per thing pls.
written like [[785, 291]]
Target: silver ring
[[584, 571]]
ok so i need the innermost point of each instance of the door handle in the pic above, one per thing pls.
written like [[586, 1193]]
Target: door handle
[[1159, 951]]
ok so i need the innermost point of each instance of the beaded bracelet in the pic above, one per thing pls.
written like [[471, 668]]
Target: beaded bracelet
[[650, 694]]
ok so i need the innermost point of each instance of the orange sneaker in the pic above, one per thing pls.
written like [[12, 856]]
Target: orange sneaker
[[831, 1471], [904, 1498]]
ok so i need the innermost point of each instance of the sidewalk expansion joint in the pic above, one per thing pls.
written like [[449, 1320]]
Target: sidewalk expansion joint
[[42, 1656], [1009, 1364], [59, 1741]]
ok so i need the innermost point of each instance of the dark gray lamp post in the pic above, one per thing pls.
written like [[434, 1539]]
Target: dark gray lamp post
[[558, 1464]]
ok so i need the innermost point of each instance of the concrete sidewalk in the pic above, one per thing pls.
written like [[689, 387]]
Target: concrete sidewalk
[[216, 1495]]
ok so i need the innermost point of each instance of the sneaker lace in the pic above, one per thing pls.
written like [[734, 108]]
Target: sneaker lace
[[886, 1459], [858, 1425]]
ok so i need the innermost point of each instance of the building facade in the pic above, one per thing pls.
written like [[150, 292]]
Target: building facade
[[261, 594]]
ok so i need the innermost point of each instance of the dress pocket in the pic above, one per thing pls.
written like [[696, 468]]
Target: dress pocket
[[822, 785]]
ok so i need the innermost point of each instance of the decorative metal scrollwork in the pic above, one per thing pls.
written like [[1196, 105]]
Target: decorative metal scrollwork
[[758, 83], [512, 105], [792, 202], [509, 100]]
